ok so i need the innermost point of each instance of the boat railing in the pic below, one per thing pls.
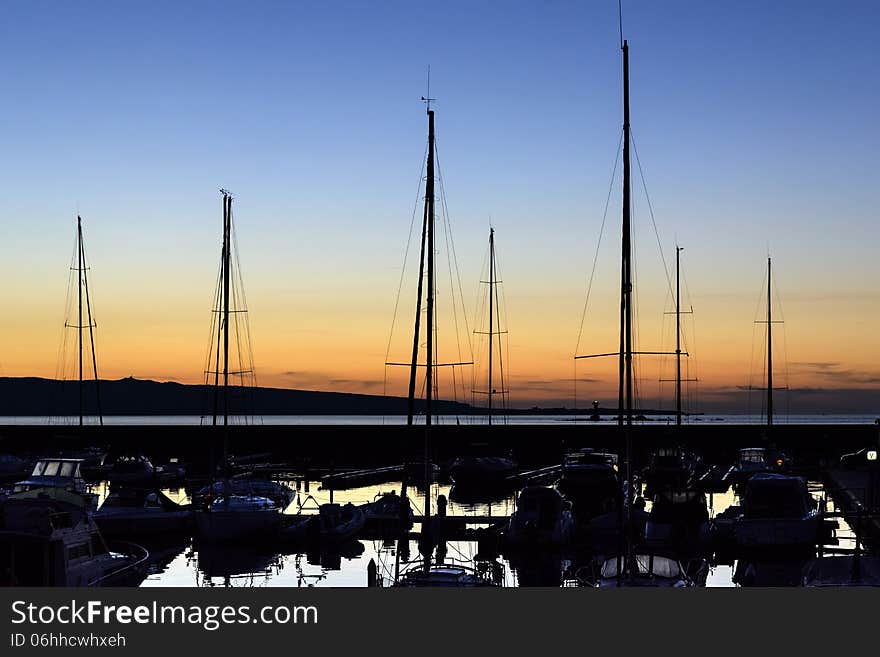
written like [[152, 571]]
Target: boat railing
[[139, 555]]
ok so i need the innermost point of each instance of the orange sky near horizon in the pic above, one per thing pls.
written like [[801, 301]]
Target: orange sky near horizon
[[316, 339]]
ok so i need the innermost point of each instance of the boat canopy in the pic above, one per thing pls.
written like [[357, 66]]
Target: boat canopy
[[539, 500]]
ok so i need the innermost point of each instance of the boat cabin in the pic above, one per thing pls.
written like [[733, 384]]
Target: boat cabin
[[540, 503], [54, 473], [769, 495]]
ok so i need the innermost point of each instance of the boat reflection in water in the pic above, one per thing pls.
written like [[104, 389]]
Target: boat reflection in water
[[644, 570], [451, 574], [234, 565], [538, 568]]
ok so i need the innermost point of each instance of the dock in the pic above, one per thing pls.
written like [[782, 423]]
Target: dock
[[857, 491]]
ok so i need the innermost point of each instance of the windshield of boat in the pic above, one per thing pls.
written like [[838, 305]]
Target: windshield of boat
[[751, 456], [643, 565]]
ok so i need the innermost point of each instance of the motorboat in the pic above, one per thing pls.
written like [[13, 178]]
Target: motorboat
[[388, 513], [678, 520], [60, 473], [135, 512], [482, 471], [246, 486], [592, 486], [777, 511], [754, 460], [234, 518], [542, 517], [334, 523], [668, 467], [132, 470], [48, 538]]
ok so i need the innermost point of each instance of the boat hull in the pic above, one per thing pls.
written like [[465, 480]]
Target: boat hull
[[236, 526]]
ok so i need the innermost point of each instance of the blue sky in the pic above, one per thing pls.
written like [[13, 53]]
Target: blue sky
[[755, 123]]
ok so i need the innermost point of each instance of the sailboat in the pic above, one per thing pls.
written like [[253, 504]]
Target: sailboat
[[228, 513], [483, 467], [84, 314], [629, 566], [53, 475], [757, 460], [670, 466], [423, 572]]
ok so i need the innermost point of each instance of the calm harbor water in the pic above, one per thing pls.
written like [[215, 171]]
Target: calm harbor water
[[184, 565]]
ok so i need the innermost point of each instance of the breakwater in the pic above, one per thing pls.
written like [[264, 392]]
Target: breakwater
[[374, 445]]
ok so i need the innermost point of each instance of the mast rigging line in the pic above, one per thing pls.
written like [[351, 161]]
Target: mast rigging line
[[651, 212], [450, 251], [595, 261], [403, 268], [599, 243]]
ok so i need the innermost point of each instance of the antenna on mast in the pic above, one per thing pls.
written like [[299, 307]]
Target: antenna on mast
[[427, 99]]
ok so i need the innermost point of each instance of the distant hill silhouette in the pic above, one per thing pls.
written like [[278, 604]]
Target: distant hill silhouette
[[130, 396]]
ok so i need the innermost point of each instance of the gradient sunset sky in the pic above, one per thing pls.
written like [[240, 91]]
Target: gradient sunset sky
[[755, 124]]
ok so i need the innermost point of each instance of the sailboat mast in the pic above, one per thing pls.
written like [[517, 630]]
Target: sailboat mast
[[413, 371], [79, 324], [769, 350], [678, 336], [627, 244], [227, 234], [626, 307], [491, 311], [429, 349], [429, 204]]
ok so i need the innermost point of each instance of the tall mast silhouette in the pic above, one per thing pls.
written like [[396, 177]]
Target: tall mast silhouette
[[229, 308], [494, 330], [769, 348], [83, 294], [489, 390]]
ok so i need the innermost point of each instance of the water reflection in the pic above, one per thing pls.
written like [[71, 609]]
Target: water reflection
[[187, 564]]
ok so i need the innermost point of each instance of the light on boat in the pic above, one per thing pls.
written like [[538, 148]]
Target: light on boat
[[872, 454]]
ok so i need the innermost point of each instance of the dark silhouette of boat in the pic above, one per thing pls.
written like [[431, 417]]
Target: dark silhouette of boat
[[334, 523], [542, 517], [48, 538], [134, 512]]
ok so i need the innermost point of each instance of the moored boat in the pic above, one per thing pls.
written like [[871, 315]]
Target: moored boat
[[678, 520], [57, 473], [136, 512], [388, 513], [542, 517], [47, 538], [777, 511], [236, 518], [244, 485], [334, 523]]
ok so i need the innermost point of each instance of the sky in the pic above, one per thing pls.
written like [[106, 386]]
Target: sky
[[754, 123]]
